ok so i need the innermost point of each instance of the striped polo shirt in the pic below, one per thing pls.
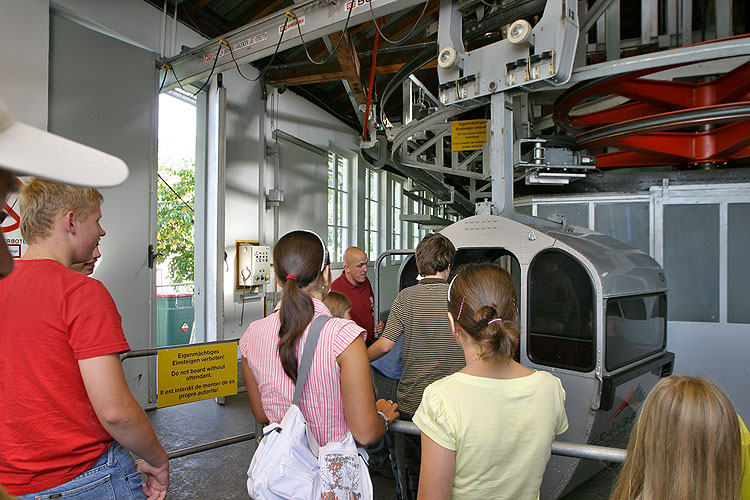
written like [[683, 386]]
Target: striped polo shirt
[[430, 352]]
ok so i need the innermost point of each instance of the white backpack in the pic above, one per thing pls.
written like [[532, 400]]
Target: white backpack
[[290, 465]]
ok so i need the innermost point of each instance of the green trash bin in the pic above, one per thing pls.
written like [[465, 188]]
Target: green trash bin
[[174, 318]]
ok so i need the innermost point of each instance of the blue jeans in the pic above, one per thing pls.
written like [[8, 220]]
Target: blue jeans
[[112, 477]]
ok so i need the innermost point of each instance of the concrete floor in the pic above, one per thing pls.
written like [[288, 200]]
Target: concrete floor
[[220, 474]]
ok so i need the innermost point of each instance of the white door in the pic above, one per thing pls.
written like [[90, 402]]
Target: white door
[[103, 92]]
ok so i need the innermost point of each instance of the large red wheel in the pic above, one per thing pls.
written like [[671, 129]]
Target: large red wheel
[[664, 122]]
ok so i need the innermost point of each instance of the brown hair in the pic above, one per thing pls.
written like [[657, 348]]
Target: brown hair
[[299, 259], [42, 202], [337, 303], [482, 301], [685, 445], [434, 254]]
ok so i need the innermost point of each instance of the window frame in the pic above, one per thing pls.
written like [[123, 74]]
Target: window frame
[[339, 221], [372, 198]]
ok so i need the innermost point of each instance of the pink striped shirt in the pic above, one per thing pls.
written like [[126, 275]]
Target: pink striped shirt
[[321, 402]]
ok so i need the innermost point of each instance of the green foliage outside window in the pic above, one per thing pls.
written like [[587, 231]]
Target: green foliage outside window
[[175, 219]]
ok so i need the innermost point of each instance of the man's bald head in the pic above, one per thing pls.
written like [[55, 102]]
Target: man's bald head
[[355, 265]]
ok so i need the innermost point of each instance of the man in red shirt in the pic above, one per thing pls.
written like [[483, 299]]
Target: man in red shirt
[[65, 396], [354, 284]]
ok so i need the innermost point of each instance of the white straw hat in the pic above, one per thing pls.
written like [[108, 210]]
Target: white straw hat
[[26, 150]]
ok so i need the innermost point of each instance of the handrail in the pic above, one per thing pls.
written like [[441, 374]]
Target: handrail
[[561, 448], [376, 270], [210, 446]]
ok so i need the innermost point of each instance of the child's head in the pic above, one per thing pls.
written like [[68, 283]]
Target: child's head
[[482, 302], [338, 304], [434, 254], [685, 444]]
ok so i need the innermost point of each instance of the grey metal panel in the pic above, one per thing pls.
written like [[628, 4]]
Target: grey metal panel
[[623, 270], [103, 93], [482, 231]]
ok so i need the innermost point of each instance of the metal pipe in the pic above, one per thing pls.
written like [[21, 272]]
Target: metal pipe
[[210, 446], [163, 32], [376, 300], [140, 353], [561, 448], [174, 30]]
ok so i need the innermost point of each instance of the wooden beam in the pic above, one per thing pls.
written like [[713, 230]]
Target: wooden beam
[[347, 57], [308, 74], [331, 71]]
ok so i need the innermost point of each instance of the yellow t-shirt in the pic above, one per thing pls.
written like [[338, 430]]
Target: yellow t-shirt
[[501, 431], [745, 435]]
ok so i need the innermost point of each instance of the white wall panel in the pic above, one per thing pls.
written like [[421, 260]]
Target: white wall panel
[[103, 93], [24, 37]]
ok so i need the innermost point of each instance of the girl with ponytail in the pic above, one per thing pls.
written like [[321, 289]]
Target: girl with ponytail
[[338, 394], [487, 430]]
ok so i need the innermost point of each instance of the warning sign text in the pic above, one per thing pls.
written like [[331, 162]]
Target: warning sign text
[[199, 372]]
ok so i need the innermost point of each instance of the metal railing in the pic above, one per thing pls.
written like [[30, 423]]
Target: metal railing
[[561, 448], [142, 353]]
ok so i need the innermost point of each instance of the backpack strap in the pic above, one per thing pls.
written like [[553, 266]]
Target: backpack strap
[[307, 355]]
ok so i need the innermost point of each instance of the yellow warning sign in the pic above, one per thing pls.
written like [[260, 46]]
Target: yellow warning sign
[[193, 373], [468, 135]]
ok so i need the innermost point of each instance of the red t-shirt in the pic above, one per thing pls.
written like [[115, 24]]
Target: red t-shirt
[[362, 299], [50, 317]]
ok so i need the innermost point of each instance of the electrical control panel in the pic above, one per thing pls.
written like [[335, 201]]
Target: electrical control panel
[[253, 264]]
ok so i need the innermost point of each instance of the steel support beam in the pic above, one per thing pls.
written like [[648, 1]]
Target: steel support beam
[[259, 39], [738, 46]]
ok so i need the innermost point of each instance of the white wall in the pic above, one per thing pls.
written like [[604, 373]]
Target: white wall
[[24, 45], [303, 175], [134, 21]]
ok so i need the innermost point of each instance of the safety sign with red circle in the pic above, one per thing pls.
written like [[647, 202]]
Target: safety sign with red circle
[[13, 220]]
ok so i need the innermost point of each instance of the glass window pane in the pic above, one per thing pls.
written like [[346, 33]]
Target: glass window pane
[[627, 222], [372, 185], [576, 214], [635, 328], [738, 270], [344, 203], [331, 170], [331, 220], [561, 312], [343, 242], [691, 261], [342, 173], [339, 211]]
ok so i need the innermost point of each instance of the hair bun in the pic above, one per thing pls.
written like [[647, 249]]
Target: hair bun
[[485, 314]]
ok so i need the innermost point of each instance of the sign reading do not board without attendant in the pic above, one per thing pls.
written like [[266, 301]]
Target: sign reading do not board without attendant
[[194, 373]]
